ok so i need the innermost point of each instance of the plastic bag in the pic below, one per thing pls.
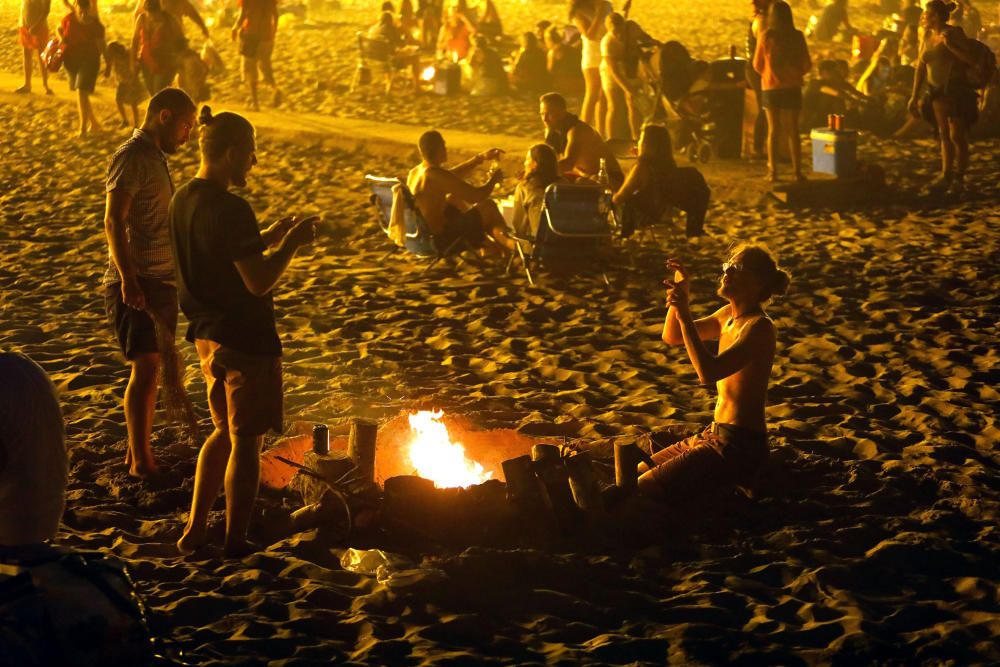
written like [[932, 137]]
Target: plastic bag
[[392, 570], [368, 561]]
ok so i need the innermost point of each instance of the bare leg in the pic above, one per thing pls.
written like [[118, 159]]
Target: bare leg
[[121, 112], [45, 74], [88, 120], [959, 134], [495, 225], [941, 109], [242, 481], [208, 476], [773, 130], [267, 73], [602, 106], [135, 115], [140, 406], [26, 88], [634, 119], [790, 128], [250, 76], [608, 122], [591, 97]]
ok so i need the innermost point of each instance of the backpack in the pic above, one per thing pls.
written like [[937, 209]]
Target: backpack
[[982, 71], [64, 607]]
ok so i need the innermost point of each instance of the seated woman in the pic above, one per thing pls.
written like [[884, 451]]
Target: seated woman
[[529, 73], [656, 183], [563, 63], [487, 75], [541, 169], [32, 453], [455, 39]]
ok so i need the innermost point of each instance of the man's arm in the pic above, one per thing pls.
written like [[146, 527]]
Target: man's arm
[[450, 184], [189, 10], [116, 210], [568, 160], [261, 273], [239, 21], [465, 169]]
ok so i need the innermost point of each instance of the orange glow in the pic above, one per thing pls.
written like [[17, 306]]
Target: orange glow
[[435, 457]]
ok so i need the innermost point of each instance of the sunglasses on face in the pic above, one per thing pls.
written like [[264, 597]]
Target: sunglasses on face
[[730, 268]]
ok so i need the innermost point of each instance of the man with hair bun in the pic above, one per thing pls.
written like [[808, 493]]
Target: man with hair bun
[[139, 280], [731, 451], [225, 283]]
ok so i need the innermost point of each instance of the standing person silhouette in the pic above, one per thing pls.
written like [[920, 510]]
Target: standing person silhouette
[[140, 278]]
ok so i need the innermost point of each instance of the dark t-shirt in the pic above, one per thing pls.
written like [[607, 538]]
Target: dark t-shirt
[[210, 229]]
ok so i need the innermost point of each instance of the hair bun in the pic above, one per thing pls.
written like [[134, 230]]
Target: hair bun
[[205, 117], [781, 282]]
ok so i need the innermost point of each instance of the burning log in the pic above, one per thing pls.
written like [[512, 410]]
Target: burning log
[[361, 448], [582, 482], [550, 469], [523, 487]]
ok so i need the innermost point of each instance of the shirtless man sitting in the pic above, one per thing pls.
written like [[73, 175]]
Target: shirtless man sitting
[[578, 145], [452, 207], [732, 450]]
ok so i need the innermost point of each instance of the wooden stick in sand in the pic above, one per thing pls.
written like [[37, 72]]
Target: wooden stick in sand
[[361, 447]]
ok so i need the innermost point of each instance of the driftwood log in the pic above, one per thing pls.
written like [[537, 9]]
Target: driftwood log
[[627, 458], [361, 448]]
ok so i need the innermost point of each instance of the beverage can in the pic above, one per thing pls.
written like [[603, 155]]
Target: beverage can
[[321, 439], [831, 121]]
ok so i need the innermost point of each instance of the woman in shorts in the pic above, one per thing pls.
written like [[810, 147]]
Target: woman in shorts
[[589, 18], [782, 60], [950, 103], [83, 35]]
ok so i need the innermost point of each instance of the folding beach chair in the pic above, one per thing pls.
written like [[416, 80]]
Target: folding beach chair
[[574, 228], [418, 239], [375, 60]]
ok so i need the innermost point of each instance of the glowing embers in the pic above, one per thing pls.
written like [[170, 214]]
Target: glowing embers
[[428, 74], [435, 457]]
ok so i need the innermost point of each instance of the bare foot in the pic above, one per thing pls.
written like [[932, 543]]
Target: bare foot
[[239, 549], [48, 91], [23, 90], [190, 542], [143, 470]]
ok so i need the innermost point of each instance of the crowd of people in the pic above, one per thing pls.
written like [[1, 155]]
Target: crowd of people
[[199, 248], [158, 55]]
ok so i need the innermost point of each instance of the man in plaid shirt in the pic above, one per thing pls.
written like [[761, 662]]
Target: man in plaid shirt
[[139, 281]]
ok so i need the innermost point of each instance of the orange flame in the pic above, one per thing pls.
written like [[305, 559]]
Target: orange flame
[[435, 457]]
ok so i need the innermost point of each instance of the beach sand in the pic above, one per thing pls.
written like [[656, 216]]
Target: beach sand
[[873, 540]]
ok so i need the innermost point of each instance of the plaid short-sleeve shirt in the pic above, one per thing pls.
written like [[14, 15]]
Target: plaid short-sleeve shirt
[[139, 168]]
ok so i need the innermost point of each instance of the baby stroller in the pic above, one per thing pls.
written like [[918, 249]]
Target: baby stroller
[[682, 83], [706, 98]]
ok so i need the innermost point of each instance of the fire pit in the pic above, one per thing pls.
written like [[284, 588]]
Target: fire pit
[[427, 475]]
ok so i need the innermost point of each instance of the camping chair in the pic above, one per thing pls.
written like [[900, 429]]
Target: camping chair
[[418, 239], [573, 228], [374, 56]]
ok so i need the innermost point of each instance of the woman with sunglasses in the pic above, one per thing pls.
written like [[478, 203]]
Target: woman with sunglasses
[[730, 452]]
